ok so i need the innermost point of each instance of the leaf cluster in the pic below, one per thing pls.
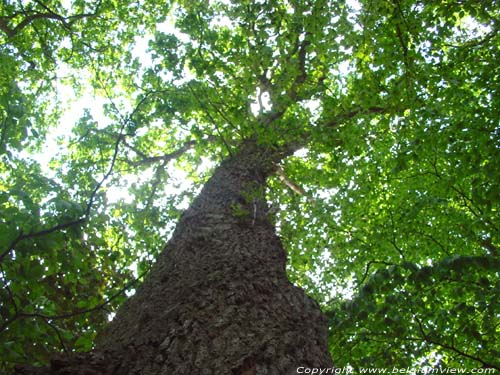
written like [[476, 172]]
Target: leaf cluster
[[389, 208]]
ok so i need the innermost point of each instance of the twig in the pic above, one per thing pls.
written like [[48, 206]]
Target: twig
[[207, 112], [22, 236], [48, 318], [49, 14], [292, 185], [430, 340], [367, 269]]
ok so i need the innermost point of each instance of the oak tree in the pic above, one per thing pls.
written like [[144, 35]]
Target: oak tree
[[345, 149]]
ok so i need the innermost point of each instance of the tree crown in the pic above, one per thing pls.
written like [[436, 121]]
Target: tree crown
[[388, 208]]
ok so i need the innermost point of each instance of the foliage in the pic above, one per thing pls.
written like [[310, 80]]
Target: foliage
[[389, 212]]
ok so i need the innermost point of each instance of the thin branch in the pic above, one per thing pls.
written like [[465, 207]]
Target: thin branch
[[106, 176], [147, 160], [49, 15], [100, 306], [467, 202], [402, 41], [393, 241], [341, 118], [431, 238], [463, 354], [135, 149], [488, 244], [154, 187], [367, 269], [58, 334], [217, 108], [207, 112], [430, 340], [22, 236], [11, 32], [292, 185], [9, 291], [302, 74], [300, 47], [478, 42], [58, 227]]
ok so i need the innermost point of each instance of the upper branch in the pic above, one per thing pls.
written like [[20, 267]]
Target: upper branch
[[147, 160], [48, 14], [11, 32]]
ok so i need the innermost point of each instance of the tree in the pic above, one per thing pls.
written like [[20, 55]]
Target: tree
[[366, 133]]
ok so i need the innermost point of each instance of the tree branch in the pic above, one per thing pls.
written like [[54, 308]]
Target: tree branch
[[488, 244], [22, 236], [71, 223], [211, 118], [11, 32], [48, 318], [292, 185], [341, 118], [367, 269], [430, 340], [49, 14], [147, 160]]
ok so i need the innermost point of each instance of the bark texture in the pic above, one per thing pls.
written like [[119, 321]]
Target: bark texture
[[218, 300]]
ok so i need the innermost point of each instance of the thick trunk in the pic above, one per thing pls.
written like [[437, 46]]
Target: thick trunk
[[218, 300]]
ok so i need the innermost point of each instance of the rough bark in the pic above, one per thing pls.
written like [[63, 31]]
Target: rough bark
[[218, 300]]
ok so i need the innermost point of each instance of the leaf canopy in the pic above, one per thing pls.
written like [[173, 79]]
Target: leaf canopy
[[389, 212]]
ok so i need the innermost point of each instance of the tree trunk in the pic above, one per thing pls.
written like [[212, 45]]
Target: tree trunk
[[218, 300]]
